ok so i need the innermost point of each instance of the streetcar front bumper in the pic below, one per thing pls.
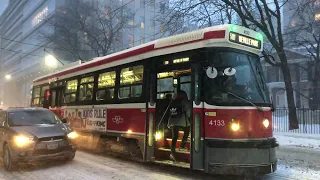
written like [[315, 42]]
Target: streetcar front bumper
[[240, 157]]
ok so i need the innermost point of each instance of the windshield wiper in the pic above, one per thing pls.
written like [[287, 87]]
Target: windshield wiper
[[243, 99]]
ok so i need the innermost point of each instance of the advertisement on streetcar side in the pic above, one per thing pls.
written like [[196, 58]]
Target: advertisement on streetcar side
[[87, 119]]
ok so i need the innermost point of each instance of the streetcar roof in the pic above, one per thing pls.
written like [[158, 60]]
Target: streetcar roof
[[172, 44]]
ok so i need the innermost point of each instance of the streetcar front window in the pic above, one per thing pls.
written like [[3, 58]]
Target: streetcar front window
[[236, 79]]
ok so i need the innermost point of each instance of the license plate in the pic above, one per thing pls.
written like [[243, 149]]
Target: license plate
[[52, 146]]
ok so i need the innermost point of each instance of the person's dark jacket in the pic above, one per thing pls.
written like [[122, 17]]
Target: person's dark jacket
[[184, 120]]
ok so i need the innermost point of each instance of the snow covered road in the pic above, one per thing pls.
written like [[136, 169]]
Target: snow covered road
[[299, 155], [94, 167]]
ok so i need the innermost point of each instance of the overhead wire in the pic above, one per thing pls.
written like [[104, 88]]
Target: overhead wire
[[37, 55], [21, 52], [21, 42], [37, 45], [45, 46]]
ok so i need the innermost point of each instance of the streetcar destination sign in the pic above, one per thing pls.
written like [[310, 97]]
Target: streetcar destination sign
[[244, 40]]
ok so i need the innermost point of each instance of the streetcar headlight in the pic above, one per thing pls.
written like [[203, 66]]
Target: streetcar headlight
[[235, 126], [158, 135], [73, 135], [266, 123], [22, 141]]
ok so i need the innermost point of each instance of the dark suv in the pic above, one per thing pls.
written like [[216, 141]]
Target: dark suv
[[34, 134]]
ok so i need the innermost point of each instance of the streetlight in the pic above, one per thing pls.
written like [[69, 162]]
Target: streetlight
[[8, 77], [51, 61]]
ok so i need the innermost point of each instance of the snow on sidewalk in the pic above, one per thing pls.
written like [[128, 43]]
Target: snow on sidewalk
[[298, 140]]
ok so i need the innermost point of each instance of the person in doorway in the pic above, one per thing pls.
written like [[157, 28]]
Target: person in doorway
[[179, 118], [168, 99]]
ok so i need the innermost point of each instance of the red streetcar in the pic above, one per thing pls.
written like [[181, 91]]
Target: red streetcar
[[118, 102]]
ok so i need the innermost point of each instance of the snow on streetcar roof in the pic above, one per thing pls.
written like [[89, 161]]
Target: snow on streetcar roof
[[214, 32]]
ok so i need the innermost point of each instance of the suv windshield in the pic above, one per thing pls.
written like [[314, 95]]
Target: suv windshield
[[32, 117], [238, 74]]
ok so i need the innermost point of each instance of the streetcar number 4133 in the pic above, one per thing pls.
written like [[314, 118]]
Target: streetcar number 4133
[[217, 123]]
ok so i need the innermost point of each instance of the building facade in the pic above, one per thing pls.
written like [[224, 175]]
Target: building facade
[[299, 66], [22, 55]]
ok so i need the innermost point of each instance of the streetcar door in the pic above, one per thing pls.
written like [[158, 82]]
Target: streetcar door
[[45, 102], [150, 123], [197, 144], [56, 100], [168, 83]]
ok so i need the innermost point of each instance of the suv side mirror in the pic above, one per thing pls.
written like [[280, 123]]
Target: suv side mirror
[[64, 120]]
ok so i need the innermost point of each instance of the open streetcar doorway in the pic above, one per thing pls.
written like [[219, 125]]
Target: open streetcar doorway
[[173, 117], [174, 89]]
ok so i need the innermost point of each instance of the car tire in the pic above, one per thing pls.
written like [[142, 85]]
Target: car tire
[[8, 163], [71, 157]]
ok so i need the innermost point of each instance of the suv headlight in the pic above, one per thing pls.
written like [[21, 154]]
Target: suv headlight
[[22, 141], [73, 135]]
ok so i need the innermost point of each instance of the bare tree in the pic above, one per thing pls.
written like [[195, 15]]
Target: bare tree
[[185, 15], [266, 16], [304, 36], [88, 29], [261, 15]]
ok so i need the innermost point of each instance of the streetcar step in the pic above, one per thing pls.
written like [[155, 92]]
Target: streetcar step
[[177, 150], [179, 141], [173, 163], [163, 154]]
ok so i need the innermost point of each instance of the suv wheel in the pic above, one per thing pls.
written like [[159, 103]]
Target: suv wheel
[[71, 157], [7, 160]]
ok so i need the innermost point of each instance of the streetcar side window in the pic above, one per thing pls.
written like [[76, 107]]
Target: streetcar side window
[[86, 88], [131, 80], [36, 96], [106, 84], [71, 91]]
